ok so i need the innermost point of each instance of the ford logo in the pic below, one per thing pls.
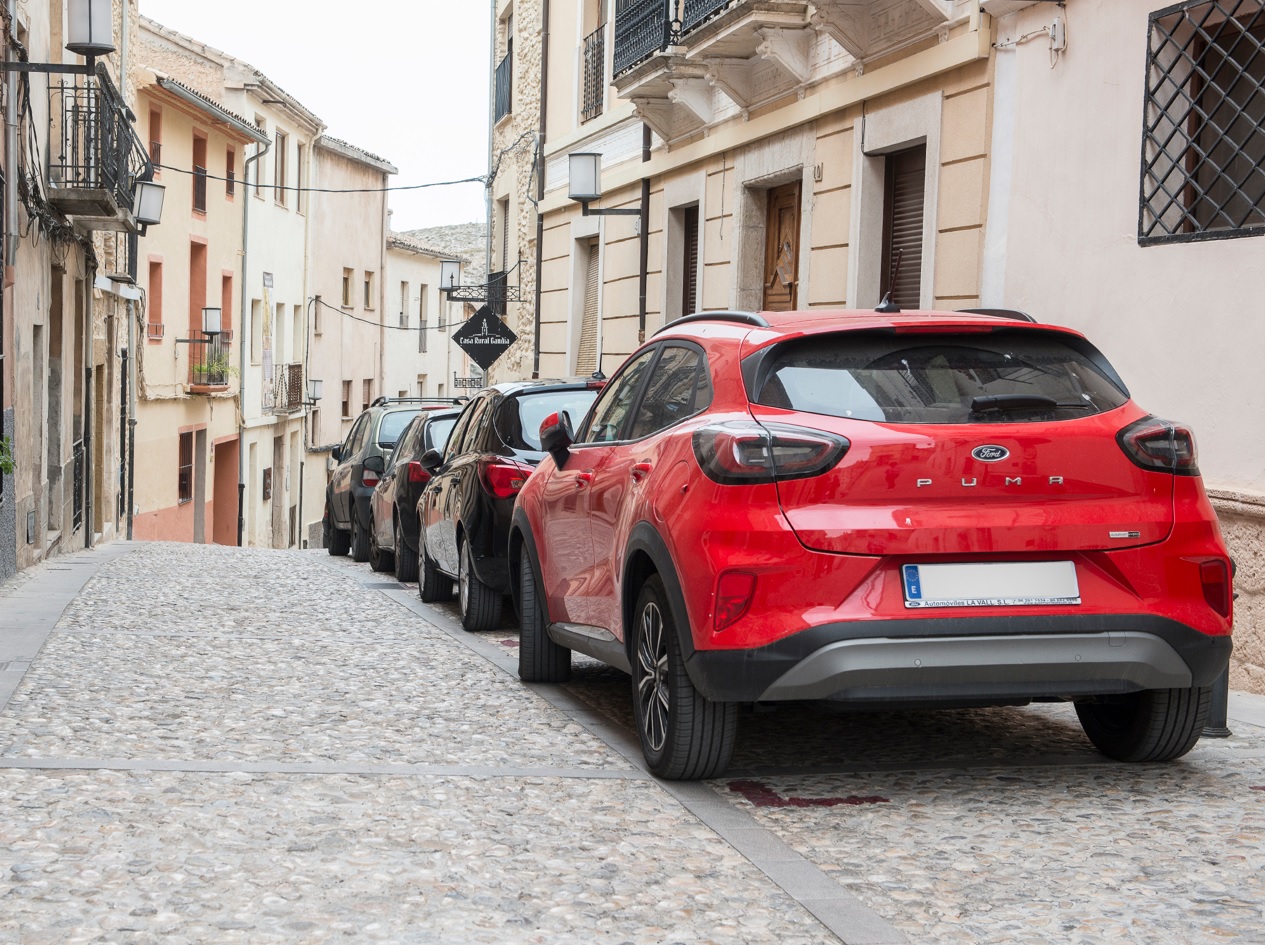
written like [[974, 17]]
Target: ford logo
[[990, 454]]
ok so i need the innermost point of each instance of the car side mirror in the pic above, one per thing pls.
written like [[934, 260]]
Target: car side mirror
[[375, 464], [337, 453], [556, 437], [431, 460]]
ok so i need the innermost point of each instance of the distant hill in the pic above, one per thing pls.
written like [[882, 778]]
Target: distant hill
[[462, 239]]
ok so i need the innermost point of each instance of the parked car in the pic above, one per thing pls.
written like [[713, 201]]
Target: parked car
[[900, 509], [361, 461], [393, 504], [464, 511]]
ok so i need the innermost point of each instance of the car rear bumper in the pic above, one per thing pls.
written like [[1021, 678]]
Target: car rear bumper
[[966, 660]]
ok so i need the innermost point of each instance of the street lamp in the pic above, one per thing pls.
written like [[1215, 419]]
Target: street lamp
[[584, 184], [212, 318], [147, 206], [89, 33], [449, 274], [315, 389]]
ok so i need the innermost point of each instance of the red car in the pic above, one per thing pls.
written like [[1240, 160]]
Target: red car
[[884, 509]]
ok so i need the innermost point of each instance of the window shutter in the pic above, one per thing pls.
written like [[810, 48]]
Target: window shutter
[[586, 356], [905, 188], [689, 289]]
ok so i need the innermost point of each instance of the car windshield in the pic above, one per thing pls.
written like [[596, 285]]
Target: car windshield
[[967, 378], [393, 425], [438, 431], [520, 428]]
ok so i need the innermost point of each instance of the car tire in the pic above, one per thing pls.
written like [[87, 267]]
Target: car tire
[[432, 584], [480, 604], [540, 659], [337, 541], [1151, 725], [379, 560], [405, 557], [359, 539], [684, 735]]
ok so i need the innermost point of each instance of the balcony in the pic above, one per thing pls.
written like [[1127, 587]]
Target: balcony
[[594, 54], [288, 393], [504, 88], [96, 155], [689, 64], [210, 364]]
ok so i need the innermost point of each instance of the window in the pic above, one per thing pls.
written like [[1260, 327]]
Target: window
[[185, 484], [226, 304], [678, 389], [346, 399], [199, 173], [593, 55], [279, 167], [689, 270], [230, 172], [503, 80], [299, 203], [369, 291], [904, 187], [421, 318], [616, 401], [586, 354], [155, 302], [258, 168], [1203, 171], [404, 306], [156, 140], [256, 332], [348, 275], [368, 392], [317, 307], [503, 208]]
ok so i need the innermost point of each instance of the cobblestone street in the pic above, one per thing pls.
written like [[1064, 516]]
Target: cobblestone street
[[229, 746]]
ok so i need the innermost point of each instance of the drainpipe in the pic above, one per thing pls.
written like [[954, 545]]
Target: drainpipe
[[487, 190], [11, 151], [131, 415], [644, 277], [540, 182], [247, 198], [89, 329]]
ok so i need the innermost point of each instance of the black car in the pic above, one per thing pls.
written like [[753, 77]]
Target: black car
[[393, 505], [361, 460], [464, 511]]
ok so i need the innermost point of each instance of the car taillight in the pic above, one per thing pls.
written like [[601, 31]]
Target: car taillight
[[1214, 575], [416, 474], [746, 453], [1161, 446], [368, 477], [734, 591], [503, 479]]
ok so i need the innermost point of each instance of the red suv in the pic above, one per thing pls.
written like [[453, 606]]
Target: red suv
[[885, 509]]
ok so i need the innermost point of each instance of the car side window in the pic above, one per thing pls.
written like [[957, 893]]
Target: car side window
[[606, 419], [356, 438], [457, 442], [405, 448], [672, 391]]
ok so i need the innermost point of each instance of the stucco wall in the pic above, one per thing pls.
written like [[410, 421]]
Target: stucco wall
[[8, 515]]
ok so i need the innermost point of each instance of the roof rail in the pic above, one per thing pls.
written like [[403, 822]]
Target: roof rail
[[385, 401], [1011, 313], [742, 318]]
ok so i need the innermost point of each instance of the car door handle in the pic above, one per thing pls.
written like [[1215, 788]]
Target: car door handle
[[583, 479], [641, 471]]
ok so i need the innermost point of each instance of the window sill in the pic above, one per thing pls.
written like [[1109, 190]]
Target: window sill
[[199, 214]]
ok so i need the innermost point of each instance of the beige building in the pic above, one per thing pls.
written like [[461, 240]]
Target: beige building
[[421, 361], [69, 262], [187, 437]]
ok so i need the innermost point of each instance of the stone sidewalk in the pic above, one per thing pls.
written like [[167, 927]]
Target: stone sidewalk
[[218, 745]]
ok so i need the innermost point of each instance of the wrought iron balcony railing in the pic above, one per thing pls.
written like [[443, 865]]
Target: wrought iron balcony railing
[[594, 73], [288, 390], [642, 28], [210, 364], [504, 87], [96, 155], [696, 12]]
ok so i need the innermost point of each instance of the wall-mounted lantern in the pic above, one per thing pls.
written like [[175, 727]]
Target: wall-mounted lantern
[[315, 389], [147, 206], [90, 27], [449, 274], [584, 184]]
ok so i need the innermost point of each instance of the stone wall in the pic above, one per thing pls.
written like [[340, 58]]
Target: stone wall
[[1243, 524], [8, 513]]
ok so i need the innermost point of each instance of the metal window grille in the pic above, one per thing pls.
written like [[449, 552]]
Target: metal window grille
[[155, 331], [199, 188], [1203, 160], [78, 457], [594, 73], [504, 89], [186, 467]]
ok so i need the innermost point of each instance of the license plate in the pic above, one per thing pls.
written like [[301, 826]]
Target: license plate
[[995, 584]]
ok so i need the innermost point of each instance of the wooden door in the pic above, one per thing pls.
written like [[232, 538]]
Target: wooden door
[[781, 250]]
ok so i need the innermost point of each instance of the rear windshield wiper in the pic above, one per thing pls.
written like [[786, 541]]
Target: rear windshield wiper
[[986, 402]]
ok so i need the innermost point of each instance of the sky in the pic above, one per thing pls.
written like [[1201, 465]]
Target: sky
[[403, 79]]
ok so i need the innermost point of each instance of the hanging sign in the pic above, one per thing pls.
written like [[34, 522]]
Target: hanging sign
[[484, 337]]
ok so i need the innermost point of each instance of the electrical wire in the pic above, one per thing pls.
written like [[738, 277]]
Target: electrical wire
[[319, 190]]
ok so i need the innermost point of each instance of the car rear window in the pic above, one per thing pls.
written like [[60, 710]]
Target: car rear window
[[968, 378], [393, 425], [520, 428], [438, 431]]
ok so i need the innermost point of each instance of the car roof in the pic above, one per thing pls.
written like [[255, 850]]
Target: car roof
[[509, 388]]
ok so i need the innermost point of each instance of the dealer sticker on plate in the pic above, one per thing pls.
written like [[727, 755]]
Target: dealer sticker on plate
[[993, 584]]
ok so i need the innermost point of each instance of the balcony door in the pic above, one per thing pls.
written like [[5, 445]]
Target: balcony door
[[781, 251]]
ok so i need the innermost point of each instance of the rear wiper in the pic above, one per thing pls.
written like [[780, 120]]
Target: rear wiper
[[986, 402]]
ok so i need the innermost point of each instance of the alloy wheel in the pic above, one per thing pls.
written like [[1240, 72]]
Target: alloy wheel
[[652, 686], [463, 579]]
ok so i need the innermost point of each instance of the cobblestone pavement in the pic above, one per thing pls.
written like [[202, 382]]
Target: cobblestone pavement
[[217, 745]]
